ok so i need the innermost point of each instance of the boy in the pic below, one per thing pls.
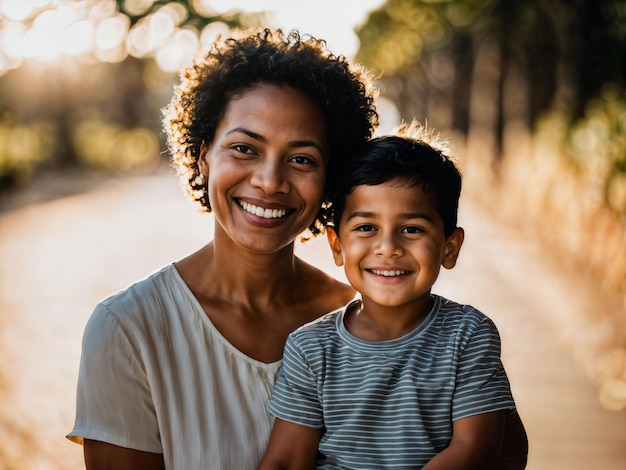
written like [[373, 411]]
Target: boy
[[400, 378]]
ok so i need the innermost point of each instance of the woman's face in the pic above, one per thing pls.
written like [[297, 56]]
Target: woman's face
[[266, 167]]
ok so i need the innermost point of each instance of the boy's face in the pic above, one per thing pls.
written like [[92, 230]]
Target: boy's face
[[391, 243]]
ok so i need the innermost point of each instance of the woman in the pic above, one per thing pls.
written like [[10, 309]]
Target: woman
[[177, 369]]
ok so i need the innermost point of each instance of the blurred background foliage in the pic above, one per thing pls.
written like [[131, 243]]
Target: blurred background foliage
[[82, 82], [530, 92], [532, 96]]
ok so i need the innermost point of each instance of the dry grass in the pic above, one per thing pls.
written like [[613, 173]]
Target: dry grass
[[536, 192]]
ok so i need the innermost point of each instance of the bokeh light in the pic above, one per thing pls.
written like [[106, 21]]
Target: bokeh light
[[53, 30]]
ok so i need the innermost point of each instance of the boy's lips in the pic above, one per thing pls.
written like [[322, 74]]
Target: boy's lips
[[388, 272]]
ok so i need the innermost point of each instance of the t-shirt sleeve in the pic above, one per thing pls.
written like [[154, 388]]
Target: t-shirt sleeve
[[482, 385], [295, 396], [113, 402]]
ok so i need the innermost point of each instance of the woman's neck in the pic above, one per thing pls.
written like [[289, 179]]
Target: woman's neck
[[248, 278]]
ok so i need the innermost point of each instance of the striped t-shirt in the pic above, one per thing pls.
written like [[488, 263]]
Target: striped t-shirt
[[391, 404]]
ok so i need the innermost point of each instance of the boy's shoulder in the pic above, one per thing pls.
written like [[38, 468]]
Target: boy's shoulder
[[458, 316], [450, 306], [322, 326]]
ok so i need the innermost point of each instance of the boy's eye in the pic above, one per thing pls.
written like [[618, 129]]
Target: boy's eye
[[412, 229], [365, 228]]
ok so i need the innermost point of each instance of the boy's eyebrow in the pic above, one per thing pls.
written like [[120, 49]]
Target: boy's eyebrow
[[365, 215], [406, 215], [260, 138]]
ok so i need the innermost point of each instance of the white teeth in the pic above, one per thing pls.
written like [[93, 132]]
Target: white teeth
[[388, 273], [264, 213]]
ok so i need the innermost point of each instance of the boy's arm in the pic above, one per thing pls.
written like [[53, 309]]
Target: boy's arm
[[514, 452], [475, 444], [291, 446]]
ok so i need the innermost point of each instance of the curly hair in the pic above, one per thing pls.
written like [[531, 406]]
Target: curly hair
[[231, 66]]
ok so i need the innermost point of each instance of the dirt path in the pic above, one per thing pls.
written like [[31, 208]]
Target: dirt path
[[58, 258]]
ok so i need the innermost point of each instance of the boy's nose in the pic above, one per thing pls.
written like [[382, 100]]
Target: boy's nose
[[389, 245]]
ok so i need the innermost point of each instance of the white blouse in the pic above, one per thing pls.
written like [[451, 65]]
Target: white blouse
[[156, 375]]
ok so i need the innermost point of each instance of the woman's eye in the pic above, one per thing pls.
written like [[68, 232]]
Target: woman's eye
[[242, 148], [302, 160]]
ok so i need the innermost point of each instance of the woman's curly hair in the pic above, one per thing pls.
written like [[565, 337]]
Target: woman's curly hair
[[231, 66]]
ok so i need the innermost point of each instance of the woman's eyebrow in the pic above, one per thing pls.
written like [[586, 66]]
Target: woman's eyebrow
[[248, 132], [305, 143], [260, 138]]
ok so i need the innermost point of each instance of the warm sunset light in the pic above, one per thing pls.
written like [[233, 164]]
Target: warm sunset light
[[529, 96], [50, 30]]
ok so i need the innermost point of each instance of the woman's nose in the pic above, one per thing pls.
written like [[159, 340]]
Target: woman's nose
[[270, 177]]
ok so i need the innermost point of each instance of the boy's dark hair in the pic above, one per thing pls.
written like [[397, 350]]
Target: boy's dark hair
[[342, 90], [413, 156]]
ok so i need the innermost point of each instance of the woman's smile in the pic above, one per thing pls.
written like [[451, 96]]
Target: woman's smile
[[266, 173], [263, 213]]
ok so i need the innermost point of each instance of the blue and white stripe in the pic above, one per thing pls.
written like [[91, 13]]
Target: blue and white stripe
[[391, 404]]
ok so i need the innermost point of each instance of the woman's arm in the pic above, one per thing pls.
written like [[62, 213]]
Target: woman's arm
[[291, 446], [475, 444], [104, 456]]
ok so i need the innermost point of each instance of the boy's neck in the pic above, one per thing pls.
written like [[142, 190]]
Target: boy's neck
[[370, 321]]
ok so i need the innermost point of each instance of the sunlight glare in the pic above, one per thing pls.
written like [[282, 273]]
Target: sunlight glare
[[211, 31], [310, 18], [139, 40], [101, 9], [137, 7], [51, 29], [203, 7], [115, 54], [13, 40], [176, 11], [111, 32], [43, 39], [161, 25], [13, 10], [178, 50], [78, 39]]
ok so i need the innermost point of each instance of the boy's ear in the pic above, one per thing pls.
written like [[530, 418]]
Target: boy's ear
[[452, 248], [335, 245]]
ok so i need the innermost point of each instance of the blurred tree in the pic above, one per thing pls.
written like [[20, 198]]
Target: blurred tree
[[128, 54], [506, 59], [537, 88]]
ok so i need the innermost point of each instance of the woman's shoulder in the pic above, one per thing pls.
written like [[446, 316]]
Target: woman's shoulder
[[325, 293], [142, 296]]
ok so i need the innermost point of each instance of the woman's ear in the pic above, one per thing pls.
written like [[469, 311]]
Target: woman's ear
[[335, 246], [452, 248], [203, 165]]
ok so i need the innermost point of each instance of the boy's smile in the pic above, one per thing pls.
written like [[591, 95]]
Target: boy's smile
[[392, 245]]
